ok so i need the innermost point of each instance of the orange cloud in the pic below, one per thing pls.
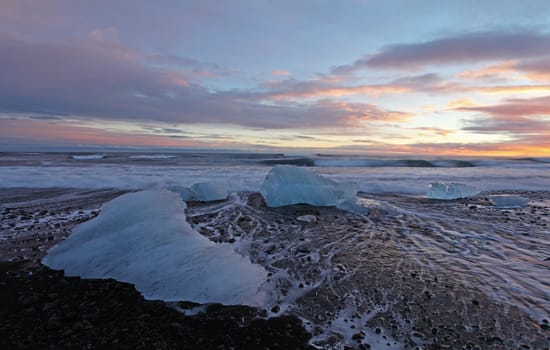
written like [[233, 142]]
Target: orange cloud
[[436, 131], [521, 148], [357, 113], [538, 70], [528, 147], [281, 73], [515, 89], [504, 68], [374, 90], [516, 107], [462, 102]]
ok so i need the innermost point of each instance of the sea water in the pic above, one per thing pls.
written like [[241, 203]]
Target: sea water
[[246, 171]]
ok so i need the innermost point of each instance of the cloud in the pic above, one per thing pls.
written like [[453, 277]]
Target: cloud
[[538, 69], [495, 71], [526, 146], [516, 107], [433, 83], [514, 116], [514, 89], [192, 67], [109, 34], [431, 131], [461, 102], [317, 88], [465, 48], [45, 131], [294, 89], [94, 79], [281, 73]]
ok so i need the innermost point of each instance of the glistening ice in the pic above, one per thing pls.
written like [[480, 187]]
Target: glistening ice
[[289, 184], [143, 238]]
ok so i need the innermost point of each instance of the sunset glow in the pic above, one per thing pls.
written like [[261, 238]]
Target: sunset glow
[[348, 76]]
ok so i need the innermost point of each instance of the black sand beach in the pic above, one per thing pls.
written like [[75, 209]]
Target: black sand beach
[[42, 309]]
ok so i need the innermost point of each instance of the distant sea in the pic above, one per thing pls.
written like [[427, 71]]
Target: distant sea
[[246, 171]]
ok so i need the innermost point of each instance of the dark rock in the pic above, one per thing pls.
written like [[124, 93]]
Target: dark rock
[[52, 324], [275, 309]]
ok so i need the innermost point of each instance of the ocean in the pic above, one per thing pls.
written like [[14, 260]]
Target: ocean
[[414, 271]]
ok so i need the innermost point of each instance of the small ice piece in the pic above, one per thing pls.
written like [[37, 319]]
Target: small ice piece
[[307, 218], [508, 201], [88, 157], [354, 206], [144, 239], [204, 192], [442, 190], [152, 156], [289, 184]]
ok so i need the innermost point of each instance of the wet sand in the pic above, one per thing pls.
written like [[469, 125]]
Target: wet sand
[[348, 278], [369, 281]]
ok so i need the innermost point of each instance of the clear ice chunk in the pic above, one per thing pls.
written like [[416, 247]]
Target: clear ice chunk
[[88, 157], [289, 184], [204, 192], [143, 238], [443, 190], [508, 201]]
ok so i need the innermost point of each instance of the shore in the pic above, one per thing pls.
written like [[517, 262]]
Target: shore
[[424, 303], [42, 309]]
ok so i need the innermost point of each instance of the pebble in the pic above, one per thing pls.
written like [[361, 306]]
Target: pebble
[[275, 309]]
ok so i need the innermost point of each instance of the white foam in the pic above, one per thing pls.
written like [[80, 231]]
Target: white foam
[[143, 238], [307, 218]]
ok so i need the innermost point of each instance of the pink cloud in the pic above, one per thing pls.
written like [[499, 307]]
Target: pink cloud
[[60, 132], [517, 117], [472, 47], [95, 79], [281, 73], [516, 107], [538, 69], [500, 70]]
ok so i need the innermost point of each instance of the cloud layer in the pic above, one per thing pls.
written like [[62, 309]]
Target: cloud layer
[[464, 48], [108, 81]]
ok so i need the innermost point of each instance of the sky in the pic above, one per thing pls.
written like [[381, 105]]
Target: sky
[[462, 78]]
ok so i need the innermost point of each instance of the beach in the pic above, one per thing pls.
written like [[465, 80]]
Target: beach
[[336, 279]]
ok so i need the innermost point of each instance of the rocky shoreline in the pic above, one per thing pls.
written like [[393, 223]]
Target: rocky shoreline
[[42, 309]]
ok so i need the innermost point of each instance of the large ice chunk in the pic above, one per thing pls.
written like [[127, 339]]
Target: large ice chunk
[[442, 190], [204, 192], [289, 184], [508, 201], [143, 238]]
